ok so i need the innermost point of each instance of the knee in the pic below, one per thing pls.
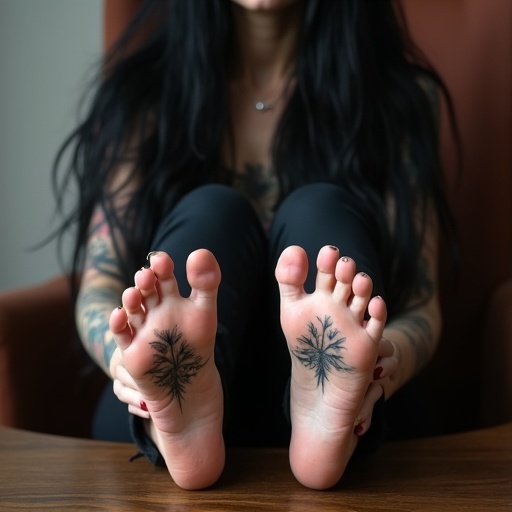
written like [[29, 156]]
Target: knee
[[305, 203], [214, 203]]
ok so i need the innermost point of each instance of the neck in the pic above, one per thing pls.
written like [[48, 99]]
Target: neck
[[267, 46]]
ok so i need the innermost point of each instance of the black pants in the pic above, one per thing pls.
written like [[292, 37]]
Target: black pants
[[251, 351]]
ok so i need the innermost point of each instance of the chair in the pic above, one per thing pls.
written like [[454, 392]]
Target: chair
[[46, 380]]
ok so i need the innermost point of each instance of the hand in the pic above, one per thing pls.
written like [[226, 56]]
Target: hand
[[387, 361], [385, 368], [124, 386]]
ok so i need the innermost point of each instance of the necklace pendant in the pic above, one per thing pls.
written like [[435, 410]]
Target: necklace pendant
[[261, 107]]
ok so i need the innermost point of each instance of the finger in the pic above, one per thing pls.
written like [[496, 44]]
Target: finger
[[364, 418], [386, 348], [131, 397], [385, 367], [125, 378], [115, 361], [138, 412]]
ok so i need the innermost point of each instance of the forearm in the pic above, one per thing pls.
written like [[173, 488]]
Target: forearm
[[100, 292], [94, 306], [415, 337]]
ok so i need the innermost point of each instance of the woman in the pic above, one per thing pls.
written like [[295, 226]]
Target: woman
[[238, 139]]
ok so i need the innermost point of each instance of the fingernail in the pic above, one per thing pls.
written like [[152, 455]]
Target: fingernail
[[143, 405], [358, 430], [377, 372], [333, 247], [152, 253], [145, 267]]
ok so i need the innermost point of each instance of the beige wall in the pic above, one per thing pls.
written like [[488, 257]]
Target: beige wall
[[47, 49]]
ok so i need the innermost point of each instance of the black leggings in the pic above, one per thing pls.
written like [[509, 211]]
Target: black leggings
[[251, 351]]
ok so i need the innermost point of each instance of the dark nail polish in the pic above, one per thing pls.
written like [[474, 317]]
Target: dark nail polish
[[152, 253], [377, 372], [143, 405], [358, 430]]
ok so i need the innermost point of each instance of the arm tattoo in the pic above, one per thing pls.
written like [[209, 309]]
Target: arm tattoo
[[100, 255], [418, 331], [175, 363], [101, 259], [425, 284], [94, 305], [319, 351]]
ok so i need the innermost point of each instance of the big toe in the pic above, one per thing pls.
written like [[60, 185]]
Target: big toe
[[203, 274], [291, 272]]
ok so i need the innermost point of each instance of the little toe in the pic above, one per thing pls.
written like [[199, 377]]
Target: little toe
[[145, 280], [291, 273], [326, 265], [344, 273], [361, 288], [119, 328], [132, 303]]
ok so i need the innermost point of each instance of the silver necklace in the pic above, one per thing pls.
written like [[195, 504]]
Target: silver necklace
[[261, 106], [265, 106]]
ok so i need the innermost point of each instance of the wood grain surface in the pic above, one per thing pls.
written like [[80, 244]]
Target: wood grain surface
[[471, 471]]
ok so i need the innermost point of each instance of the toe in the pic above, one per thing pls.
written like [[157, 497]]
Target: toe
[[345, 272], [132, 303], [120, 329], [145, 280], [291, 273], [378, 314], [326, 265], [203, 275], [361, 288], [163, 268]]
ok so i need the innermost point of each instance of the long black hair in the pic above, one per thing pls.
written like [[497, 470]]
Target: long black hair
[[358, 116]]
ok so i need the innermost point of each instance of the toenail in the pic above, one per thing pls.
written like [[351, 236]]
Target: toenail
[[152, 253]]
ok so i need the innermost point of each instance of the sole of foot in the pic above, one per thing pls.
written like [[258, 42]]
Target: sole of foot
[[333, 351], [167, 344]]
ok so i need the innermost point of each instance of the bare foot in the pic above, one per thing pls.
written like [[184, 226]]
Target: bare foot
[[333, 352], [167, 344]]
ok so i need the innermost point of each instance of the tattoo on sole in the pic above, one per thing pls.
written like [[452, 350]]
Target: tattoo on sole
[[175, 363], [320, 351]]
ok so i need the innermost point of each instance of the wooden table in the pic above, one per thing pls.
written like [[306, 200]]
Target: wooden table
[[464, 472]]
